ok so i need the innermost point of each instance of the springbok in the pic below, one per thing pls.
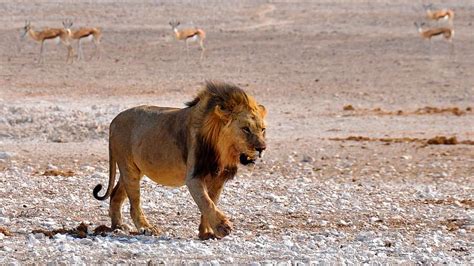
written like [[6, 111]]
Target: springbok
[[446, 14], [447, 33], [47, 35], [189, 34], [84, 35]]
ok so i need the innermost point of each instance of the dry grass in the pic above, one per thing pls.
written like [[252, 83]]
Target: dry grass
[[66, 173], [438, 140], [78, 232], [5, 231], [427, 110]]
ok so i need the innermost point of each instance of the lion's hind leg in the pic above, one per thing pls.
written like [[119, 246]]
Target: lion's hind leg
[[117, 198], [131, 181]]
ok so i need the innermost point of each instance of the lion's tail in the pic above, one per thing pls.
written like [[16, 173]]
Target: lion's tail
[[112, 168]]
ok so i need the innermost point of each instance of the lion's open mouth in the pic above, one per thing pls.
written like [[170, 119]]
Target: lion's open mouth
[[245, 159]]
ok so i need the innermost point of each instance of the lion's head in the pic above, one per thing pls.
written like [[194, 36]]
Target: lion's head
[[230, 124]]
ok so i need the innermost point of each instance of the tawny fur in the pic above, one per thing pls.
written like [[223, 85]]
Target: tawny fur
[[83, 34], [47, 34], [439, 14], [187, 34], [183, 34], [429, 33], [198, 146]]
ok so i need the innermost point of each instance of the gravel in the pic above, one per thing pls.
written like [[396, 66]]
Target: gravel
[[293, 215], [353, 202], [51, 123]]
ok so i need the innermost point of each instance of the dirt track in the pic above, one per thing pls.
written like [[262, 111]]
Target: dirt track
[[315, 197]]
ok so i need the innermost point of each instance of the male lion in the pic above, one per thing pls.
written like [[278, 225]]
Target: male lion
[[199, 146]]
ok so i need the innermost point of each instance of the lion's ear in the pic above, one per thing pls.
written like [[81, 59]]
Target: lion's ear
[[263, 110], [221, 113]]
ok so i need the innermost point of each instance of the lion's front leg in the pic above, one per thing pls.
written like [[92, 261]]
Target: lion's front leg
[[214, 186], [214, 224], [205, 229]]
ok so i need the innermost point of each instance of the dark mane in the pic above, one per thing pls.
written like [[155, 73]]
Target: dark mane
[[227, 96], [224, 94], [193, 102]]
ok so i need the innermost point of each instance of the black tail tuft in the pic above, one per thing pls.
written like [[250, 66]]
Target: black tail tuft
[[96, 191]]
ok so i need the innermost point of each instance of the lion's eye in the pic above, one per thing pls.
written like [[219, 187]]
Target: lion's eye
[[246, 130], [263, 130]]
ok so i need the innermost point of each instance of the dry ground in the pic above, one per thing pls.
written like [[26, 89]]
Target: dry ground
[[315, 197]]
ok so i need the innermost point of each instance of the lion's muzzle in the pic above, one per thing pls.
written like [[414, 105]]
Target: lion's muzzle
[[245, 159]]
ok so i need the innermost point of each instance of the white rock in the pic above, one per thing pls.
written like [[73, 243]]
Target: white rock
[[86, 241], [375, 219], [275, 198], [6, 155], [98, 175], [65, 247], [87, 168], [287, 241], [22, 231], [344, 223], [39, 235], [32, 240], [52, 167], [7, 249], [60, 237]]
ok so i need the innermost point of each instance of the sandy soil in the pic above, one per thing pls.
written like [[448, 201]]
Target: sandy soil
[[340, 183]]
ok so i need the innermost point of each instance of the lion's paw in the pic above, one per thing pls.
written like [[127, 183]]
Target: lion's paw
[[206, 236], [149, 231], [224, 228], [122, 227]]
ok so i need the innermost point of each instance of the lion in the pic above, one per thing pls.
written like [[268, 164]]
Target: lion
[[199, 146]]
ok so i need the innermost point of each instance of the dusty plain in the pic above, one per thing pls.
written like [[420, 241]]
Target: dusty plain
[[352, 172]]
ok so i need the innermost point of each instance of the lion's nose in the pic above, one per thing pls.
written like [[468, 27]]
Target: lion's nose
[[260, 148]]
